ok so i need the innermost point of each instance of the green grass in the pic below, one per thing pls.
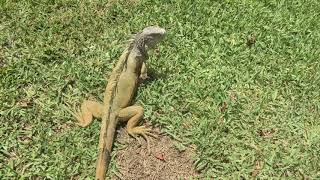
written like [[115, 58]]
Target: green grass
[[240, 106]]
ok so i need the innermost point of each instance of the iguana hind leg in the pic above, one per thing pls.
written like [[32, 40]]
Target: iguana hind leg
[[133, 114], [88, 110]]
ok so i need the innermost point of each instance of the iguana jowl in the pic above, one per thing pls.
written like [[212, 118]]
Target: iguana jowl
[[119, 92]]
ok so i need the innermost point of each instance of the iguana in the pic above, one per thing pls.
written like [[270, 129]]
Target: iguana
[[119, 92]]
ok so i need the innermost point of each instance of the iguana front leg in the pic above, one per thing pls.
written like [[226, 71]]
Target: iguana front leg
[[133, 114], [144, 74], [88, 110]]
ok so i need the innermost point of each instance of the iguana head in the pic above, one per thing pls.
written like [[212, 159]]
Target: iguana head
[[147, 38], [150, 36]]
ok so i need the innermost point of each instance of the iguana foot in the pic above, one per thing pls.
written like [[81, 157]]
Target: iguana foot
[[144, 132], [88, 110], [133, 114], [81, 118], [144, 77]]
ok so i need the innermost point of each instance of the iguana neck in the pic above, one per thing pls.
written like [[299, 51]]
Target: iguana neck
[[138, 45]]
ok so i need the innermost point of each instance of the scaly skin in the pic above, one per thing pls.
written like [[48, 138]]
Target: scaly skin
[[121, 87]]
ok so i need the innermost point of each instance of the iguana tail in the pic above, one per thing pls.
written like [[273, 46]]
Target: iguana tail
[[104, 156], [108, 125]]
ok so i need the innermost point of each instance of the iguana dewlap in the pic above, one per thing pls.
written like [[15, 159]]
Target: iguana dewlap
[[118, 95]]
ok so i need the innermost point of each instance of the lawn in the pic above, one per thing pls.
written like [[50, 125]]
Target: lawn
[[238, 80]]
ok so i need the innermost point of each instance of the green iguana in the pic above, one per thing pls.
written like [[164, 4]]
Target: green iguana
[[119, 92]]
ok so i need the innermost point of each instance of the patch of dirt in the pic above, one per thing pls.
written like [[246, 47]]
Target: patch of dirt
[[165, 161]]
